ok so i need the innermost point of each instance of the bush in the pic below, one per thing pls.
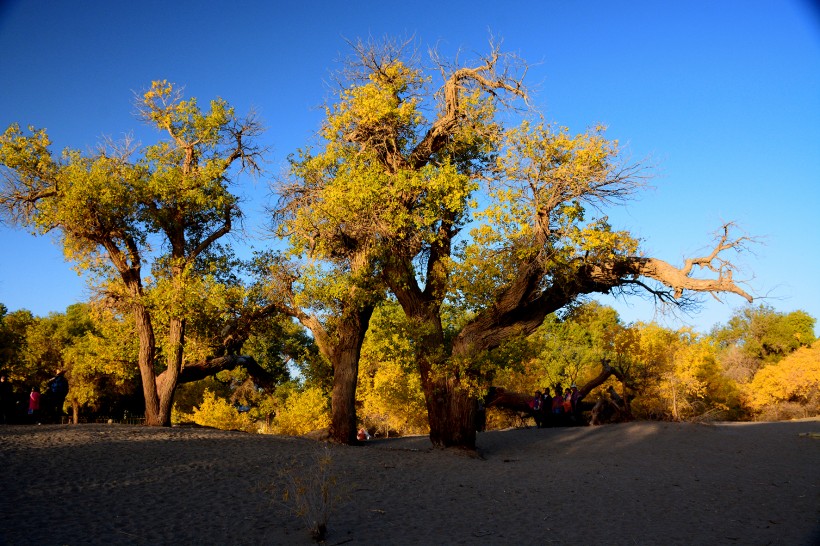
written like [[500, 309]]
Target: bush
[[789, 388], [217, 413], [304, 411]]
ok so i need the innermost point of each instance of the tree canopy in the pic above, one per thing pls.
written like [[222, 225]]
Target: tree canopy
[[442, 190], [451, 205], [122, 209]]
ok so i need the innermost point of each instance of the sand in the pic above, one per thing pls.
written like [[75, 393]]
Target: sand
[[635, 483]]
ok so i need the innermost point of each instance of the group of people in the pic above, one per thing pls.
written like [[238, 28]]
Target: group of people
[[37, 407], [562, 409]]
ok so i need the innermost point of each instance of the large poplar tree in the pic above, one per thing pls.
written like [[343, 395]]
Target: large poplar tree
[[407, 167], [144, 220]]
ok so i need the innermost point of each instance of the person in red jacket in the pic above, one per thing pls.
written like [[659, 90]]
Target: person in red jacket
[[34, 405]]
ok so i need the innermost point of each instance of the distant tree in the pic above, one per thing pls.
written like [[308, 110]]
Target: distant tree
[[101, 360], [14, 328], [389, 390], [756, 336], [788, 388], [117, 213], [531, 249], [302, 409]]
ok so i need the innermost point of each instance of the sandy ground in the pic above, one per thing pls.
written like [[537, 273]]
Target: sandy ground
[[637, 483]]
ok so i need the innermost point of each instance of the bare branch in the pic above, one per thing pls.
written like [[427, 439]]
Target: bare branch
[[224, 229], [241, 132], [494, 75], [680, 279]]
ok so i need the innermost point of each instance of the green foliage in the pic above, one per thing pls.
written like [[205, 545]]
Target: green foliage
[[14, 329], [765, 334], [570, 350]]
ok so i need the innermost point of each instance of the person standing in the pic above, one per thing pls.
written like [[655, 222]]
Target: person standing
[[6, 400], [576, 405], [57, 391], [558, 407], [34, 405]]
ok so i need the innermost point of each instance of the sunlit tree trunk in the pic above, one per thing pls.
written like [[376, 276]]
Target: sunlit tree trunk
[[342, 348], [145, 360], [167, 383]]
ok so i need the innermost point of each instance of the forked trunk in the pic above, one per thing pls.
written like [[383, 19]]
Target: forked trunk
[[167, 384], [159, 391]]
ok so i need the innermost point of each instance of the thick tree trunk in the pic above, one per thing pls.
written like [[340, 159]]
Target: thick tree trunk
[[345, 355], [343, 400], [342, 348], [451, 412], [451, 407], [147, 346]]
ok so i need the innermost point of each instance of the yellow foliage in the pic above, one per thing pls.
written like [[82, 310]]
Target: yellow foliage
[[392, 399], [303, 412], [217, 413], [796, 379]]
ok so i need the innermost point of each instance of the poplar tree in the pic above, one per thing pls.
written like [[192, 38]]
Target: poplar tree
[[455, 205], [143, 220]]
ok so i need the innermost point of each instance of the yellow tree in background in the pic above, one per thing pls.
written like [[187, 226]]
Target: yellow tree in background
[[789, 388], [390, 393], [142, 220]]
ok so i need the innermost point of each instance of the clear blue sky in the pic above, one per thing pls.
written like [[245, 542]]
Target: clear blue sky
[[724, 97]]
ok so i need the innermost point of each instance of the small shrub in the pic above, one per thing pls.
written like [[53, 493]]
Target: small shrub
[[312, 492]]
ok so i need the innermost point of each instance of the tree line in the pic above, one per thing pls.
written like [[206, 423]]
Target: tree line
[[762, 364], [419, 194]]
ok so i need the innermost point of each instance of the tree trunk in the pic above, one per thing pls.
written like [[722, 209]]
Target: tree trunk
[[451, 412], [345, 355], [167, 382], [195, 371], [451, 407], [343, 400], [147, 346], [75, 412], [341, 347]]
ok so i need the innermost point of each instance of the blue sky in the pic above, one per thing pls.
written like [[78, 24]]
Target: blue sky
[[722, 97]]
